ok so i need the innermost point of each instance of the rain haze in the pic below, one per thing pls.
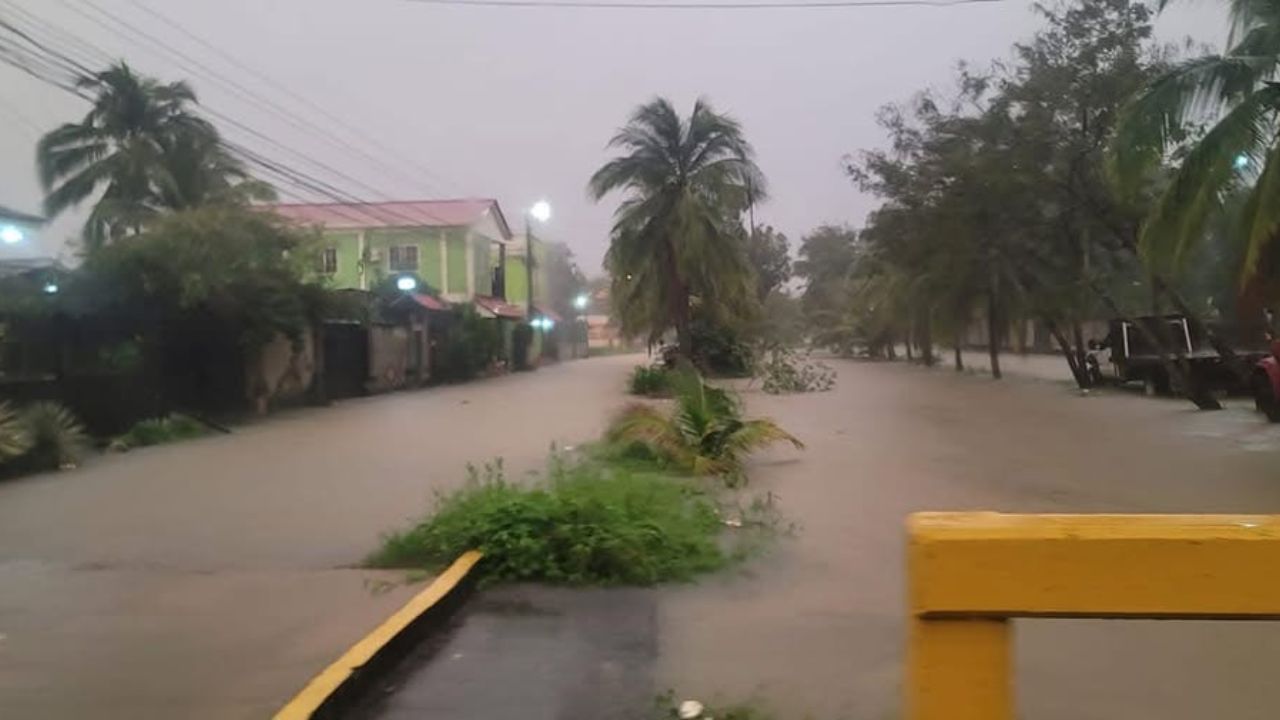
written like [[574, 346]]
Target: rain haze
[[517, 103]]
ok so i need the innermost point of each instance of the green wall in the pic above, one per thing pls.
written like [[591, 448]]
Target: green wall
[[347, 245], [517, 280], [457, 259], [428, 242]]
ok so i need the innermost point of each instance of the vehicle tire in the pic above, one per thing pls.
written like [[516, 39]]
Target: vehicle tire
[[1264, 397]]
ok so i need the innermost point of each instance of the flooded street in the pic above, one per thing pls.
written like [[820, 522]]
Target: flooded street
[[817, 627], [212, 578]]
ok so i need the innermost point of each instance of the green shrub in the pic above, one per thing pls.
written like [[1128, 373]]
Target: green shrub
[[786, 372], [157, 431], [650, 381], [704, 434], [57, 438], [587, 523], [14, 439], [719, 350], [471, 344]]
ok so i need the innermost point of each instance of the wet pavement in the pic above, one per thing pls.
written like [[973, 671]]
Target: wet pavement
[[531, 653], [212, 578]]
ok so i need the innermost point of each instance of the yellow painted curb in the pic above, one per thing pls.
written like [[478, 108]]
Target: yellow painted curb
[[324, 685]]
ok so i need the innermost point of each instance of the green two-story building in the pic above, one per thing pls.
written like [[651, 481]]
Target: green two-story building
[[454, 246]]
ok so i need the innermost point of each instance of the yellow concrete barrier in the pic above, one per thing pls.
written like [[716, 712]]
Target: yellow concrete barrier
[[969, 574]]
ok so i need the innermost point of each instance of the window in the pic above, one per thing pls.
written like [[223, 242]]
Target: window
[[404, 257], [329, 261]]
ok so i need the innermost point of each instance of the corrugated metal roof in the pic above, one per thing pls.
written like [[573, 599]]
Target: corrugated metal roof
[[499, 307], [407, 213]]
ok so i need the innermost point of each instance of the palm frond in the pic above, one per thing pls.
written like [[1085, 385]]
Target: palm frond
[[14, 438], [1157, 118], [1210, 172]]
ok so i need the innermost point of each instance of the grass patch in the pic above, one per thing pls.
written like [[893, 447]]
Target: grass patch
[[158, 431], [586, 522]]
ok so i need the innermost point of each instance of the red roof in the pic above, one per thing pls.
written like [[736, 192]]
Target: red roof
[[555, 316], [428, 302], [499, 307], [409, 213]]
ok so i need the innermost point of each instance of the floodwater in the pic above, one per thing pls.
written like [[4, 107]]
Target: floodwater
[[212, 578], [817, 627]]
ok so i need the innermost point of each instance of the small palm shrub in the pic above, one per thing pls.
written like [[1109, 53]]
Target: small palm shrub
[[157, 431], [58, 440], [650, 381], [587, 523], [704, 434], [15, 441], [786, 372]]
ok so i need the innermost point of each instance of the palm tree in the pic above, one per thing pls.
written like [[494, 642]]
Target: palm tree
[[704, 433], [1235, 99], [141, 147], [677, 233]]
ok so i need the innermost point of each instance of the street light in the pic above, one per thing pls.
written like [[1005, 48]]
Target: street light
[[580, 302], [407, 283], [540, 211], [11, 234]]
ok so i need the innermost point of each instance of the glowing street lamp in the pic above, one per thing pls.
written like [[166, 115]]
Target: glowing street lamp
[[540, 211], [11, 234], [407, 283], [580, 302]]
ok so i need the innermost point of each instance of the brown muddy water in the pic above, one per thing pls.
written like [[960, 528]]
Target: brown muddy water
[[817, 628]]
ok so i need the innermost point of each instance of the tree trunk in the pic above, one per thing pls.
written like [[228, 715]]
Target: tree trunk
[[993, 333], [1077, 334], [958, 357], [1079, 370], [926, 339], [891, 349], [910, 357], [680, 318]]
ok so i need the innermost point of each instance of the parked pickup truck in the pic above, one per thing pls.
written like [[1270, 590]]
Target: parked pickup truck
[[1126, 355]]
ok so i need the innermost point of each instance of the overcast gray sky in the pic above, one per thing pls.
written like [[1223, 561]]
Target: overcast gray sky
[[517, 103]]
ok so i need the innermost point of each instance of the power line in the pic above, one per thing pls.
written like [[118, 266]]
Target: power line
[[186, 62], [762, 5], [280, 87], [46, 70]]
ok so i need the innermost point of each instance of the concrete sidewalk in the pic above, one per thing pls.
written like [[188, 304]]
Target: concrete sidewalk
[[208, 579]]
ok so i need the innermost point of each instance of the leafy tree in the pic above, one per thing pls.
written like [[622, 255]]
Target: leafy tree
[[770, 255], [564, 280], [143, 149], [677, 233], [242, 266], [826, 257]]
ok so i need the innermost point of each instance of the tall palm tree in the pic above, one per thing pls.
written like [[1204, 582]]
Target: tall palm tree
[[1219, 115], [141, 147], [677, 233]]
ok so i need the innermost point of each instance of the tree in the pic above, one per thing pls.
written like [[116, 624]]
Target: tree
[[244, 267], [143, 149], [565, 282], [826, 257], [677, 234], [770, 255]]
